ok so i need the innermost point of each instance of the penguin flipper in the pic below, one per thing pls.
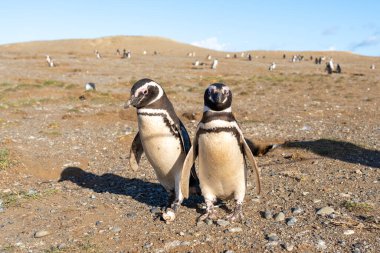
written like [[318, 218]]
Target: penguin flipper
[[186, 170], [136, 152], [185, 139], [252, 160]]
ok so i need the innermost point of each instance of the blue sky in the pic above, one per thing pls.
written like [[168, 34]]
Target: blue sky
[[223, 25]]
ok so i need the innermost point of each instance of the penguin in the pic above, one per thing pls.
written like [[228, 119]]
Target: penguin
[[162, 137], [222, 150]]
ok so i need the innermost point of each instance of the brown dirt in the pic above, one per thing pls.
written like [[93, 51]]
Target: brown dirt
[[330, 123]]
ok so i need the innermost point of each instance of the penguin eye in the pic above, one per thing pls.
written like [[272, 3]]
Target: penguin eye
[[145, 92]]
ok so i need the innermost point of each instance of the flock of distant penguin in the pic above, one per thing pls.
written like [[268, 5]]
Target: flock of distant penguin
[[219, 143]]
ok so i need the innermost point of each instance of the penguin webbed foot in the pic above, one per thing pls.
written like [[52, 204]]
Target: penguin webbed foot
[[237, 214], [210, 212]]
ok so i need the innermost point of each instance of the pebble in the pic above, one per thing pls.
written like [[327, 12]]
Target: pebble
[[222, 223], [297, 210], [208, 221], [147, 245], [349, 232], [321, 245], [234, 230], [131, 215], [128, 130], [97, 223], [41, 233], [279, 217], [345, 195], [116, 229], [325, 210], [291, 221], [155, 210], [305, 193], [181, 233], [315, 201], [289, 247], [268, 215], [272, 237], [228, 251], [93, 196], [356, 250]]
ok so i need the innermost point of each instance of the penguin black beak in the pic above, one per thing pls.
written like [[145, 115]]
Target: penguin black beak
[[218, 97], [133, 101]]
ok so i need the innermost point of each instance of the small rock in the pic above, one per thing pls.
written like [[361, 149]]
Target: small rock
[[332, 216], [325, 210], [147, 245], [272, 237], [61, 246], [268, 215], [208, 221], [155, 210], [1, 209], [181, 233], [116, 229], [359, 172], [349, 232], [345, 195], [97, 223], [131, 215], [315, 201], [222, 223], [128, 130], [321, 245], [305, 193], [41, 233], [279, 217], [356, 250], [234, 230], [291, 221], [229, 251], [288, 247], [297, 210], [93, 196], [32, 192]]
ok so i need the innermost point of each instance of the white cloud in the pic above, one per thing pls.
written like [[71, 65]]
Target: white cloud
[[210, 43]]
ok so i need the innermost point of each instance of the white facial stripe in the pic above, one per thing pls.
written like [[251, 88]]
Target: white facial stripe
[[156, 111], [145, 87]]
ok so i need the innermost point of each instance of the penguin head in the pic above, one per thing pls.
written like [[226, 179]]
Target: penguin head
[[218, 97], [144, 92]]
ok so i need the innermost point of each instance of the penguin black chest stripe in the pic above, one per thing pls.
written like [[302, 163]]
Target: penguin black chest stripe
[[219, 126], [164, 115]]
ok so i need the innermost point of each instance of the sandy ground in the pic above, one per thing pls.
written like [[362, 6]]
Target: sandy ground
[[65, 182]]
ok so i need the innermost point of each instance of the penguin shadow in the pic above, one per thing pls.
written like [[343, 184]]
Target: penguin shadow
[[339, 150], [151, 194]]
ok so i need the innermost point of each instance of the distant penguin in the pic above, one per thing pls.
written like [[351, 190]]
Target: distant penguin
[[214, 64], [117, 51], [144, 52], [196, 63], [272, 66], [249, 57], [98, 56], [331, 63], [373, 66], [242, 55], [209, 57], [162, 137], [90, 86], [338, 69], [228, 56], [50, 61], [222, 151], [328, 68]]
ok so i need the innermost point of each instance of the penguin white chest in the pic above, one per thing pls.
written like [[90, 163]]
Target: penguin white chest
[[162, 148], [221, 165]]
